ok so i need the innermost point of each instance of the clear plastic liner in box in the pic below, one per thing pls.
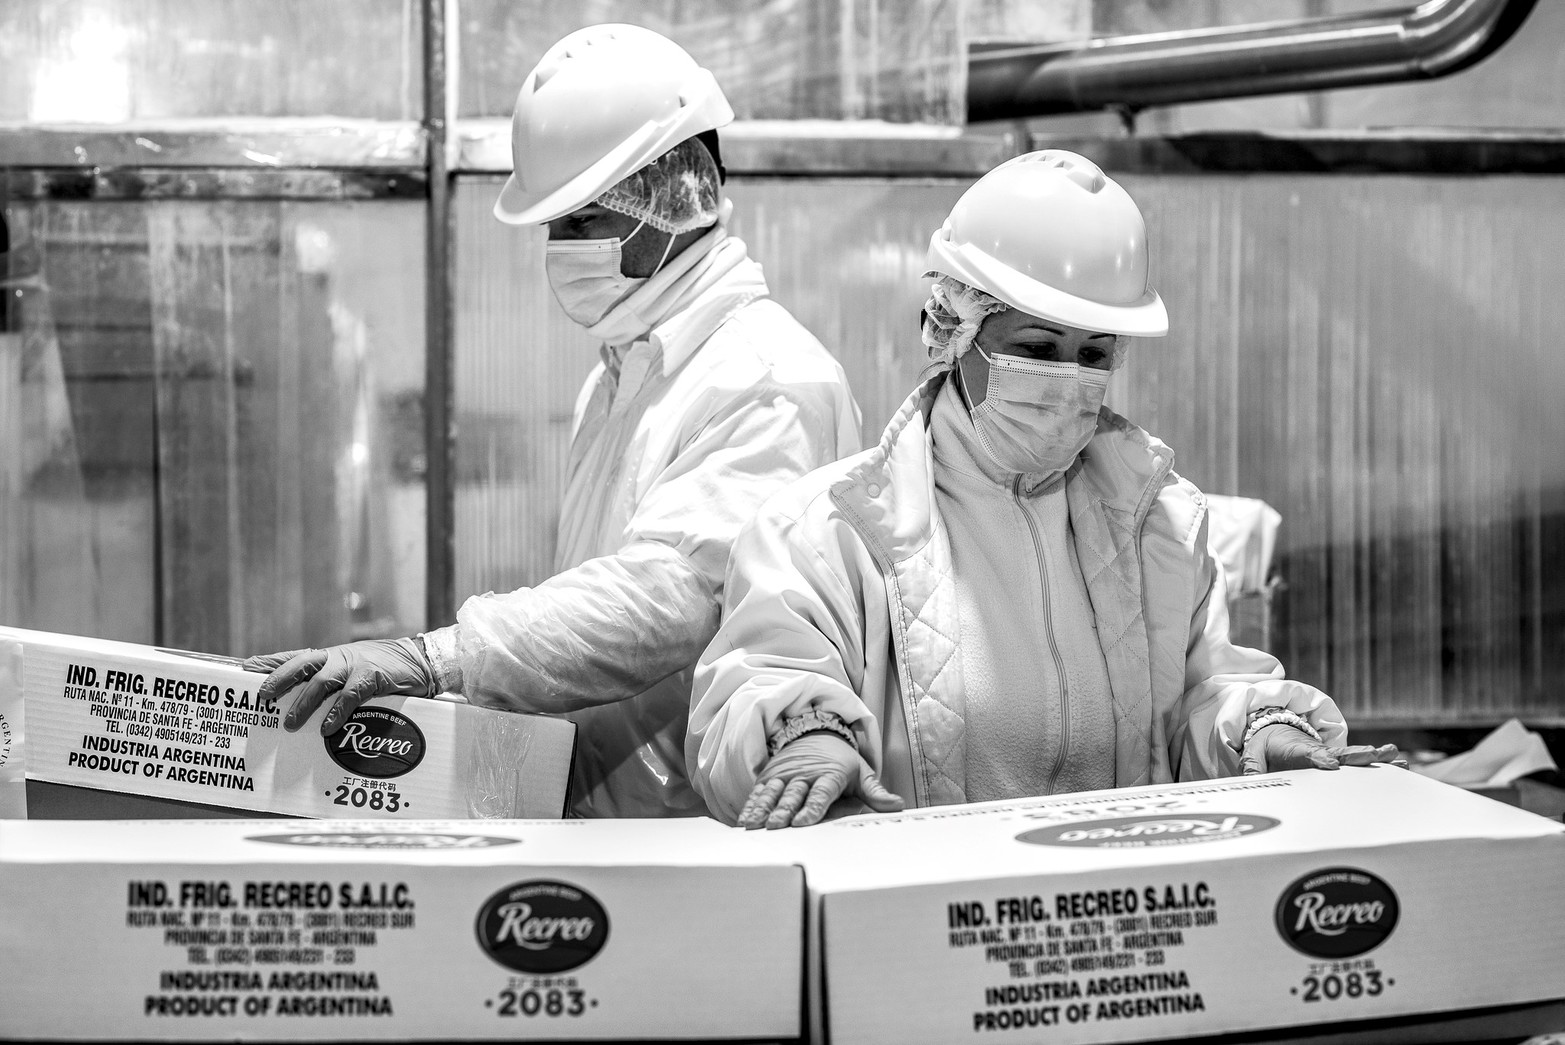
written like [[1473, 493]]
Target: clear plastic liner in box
[[489, 761]]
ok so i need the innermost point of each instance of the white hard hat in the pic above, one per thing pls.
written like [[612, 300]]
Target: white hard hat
[[601, 103], [1049, 233]]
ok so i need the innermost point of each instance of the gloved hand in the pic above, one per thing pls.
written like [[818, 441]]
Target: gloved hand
[[1281, 746], [356, 672], [812, 772]]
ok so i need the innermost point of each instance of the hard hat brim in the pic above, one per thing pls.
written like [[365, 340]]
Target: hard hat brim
[[517, 206], [1145, 317]]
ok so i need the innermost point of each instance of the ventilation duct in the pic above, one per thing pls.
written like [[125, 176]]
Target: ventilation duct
[[1436, 38]]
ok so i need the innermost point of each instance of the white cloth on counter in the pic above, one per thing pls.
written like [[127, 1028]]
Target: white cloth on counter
[[1510, 752], [1243, 536]]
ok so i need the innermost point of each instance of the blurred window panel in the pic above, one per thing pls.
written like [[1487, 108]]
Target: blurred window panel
[[899, 60], [237, 456], [118, 61], [47, 576], [1376, 358], [846, 257], [519, 362]]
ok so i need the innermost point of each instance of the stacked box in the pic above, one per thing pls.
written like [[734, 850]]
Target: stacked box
[[190, 728], [1250, 905], [436, 931]]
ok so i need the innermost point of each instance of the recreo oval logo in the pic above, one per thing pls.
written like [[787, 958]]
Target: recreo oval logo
[[1338, 912], [1135, 832], [542, 927], [377, 742]]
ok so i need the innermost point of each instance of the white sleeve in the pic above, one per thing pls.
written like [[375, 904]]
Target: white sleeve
[[618, 624], [791, 641], [1224, 683]]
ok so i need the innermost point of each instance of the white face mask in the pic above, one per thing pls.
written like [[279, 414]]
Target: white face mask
[[586, 278], [1037, 415]]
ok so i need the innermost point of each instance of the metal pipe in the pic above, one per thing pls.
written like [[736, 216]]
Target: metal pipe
[[1433, 39], [439, 366]]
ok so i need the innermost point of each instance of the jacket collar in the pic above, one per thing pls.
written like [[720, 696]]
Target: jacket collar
[[678, 336], [1123, 467], [895, 525]]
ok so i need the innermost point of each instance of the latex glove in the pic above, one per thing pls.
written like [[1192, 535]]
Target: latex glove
[[802, 780], [356, 672], [1281, 746]]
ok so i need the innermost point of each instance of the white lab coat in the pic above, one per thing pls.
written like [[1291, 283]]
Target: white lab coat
[[726, 401]]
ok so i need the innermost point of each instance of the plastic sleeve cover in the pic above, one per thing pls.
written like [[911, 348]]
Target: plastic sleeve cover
[[602, 632], [618, 624]]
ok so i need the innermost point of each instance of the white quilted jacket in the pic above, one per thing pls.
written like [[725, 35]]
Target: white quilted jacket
[[839, 598]]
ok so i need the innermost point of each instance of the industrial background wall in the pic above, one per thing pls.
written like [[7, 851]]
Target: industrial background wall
[[272, 375]]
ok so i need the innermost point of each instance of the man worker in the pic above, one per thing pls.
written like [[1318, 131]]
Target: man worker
[[709, 397]]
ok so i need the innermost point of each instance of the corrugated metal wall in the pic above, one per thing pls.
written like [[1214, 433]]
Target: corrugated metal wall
[[1377, 357]]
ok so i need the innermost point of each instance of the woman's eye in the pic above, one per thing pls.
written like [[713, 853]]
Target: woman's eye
[[1093, 357]]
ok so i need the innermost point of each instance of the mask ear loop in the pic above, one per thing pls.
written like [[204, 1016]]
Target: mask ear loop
[[671, 238], [961, 379], [639, 226]]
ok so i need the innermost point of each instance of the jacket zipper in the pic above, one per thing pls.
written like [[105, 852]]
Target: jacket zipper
[[1054, 648]]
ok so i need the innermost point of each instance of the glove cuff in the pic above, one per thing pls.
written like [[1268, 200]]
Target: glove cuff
[[812, 721], [440, 650], [1260, 718]]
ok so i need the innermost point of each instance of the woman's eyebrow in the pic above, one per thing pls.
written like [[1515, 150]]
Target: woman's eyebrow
[[1039, 325]]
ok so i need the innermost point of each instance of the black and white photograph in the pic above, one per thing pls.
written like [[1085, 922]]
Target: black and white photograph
[[836, 522]]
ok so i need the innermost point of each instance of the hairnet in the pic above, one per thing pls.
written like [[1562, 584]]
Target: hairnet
[[955, 311], [677, 192], [952, 316]]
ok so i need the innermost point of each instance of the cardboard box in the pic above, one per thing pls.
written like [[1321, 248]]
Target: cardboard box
[[300, 931], [1249, 905], [13, 732], [188, 727]]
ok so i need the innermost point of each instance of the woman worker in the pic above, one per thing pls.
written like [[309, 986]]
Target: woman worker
[[1010, 595]]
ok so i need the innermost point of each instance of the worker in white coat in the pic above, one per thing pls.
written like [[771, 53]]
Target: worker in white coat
[[708, 397], [1011, 595]]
